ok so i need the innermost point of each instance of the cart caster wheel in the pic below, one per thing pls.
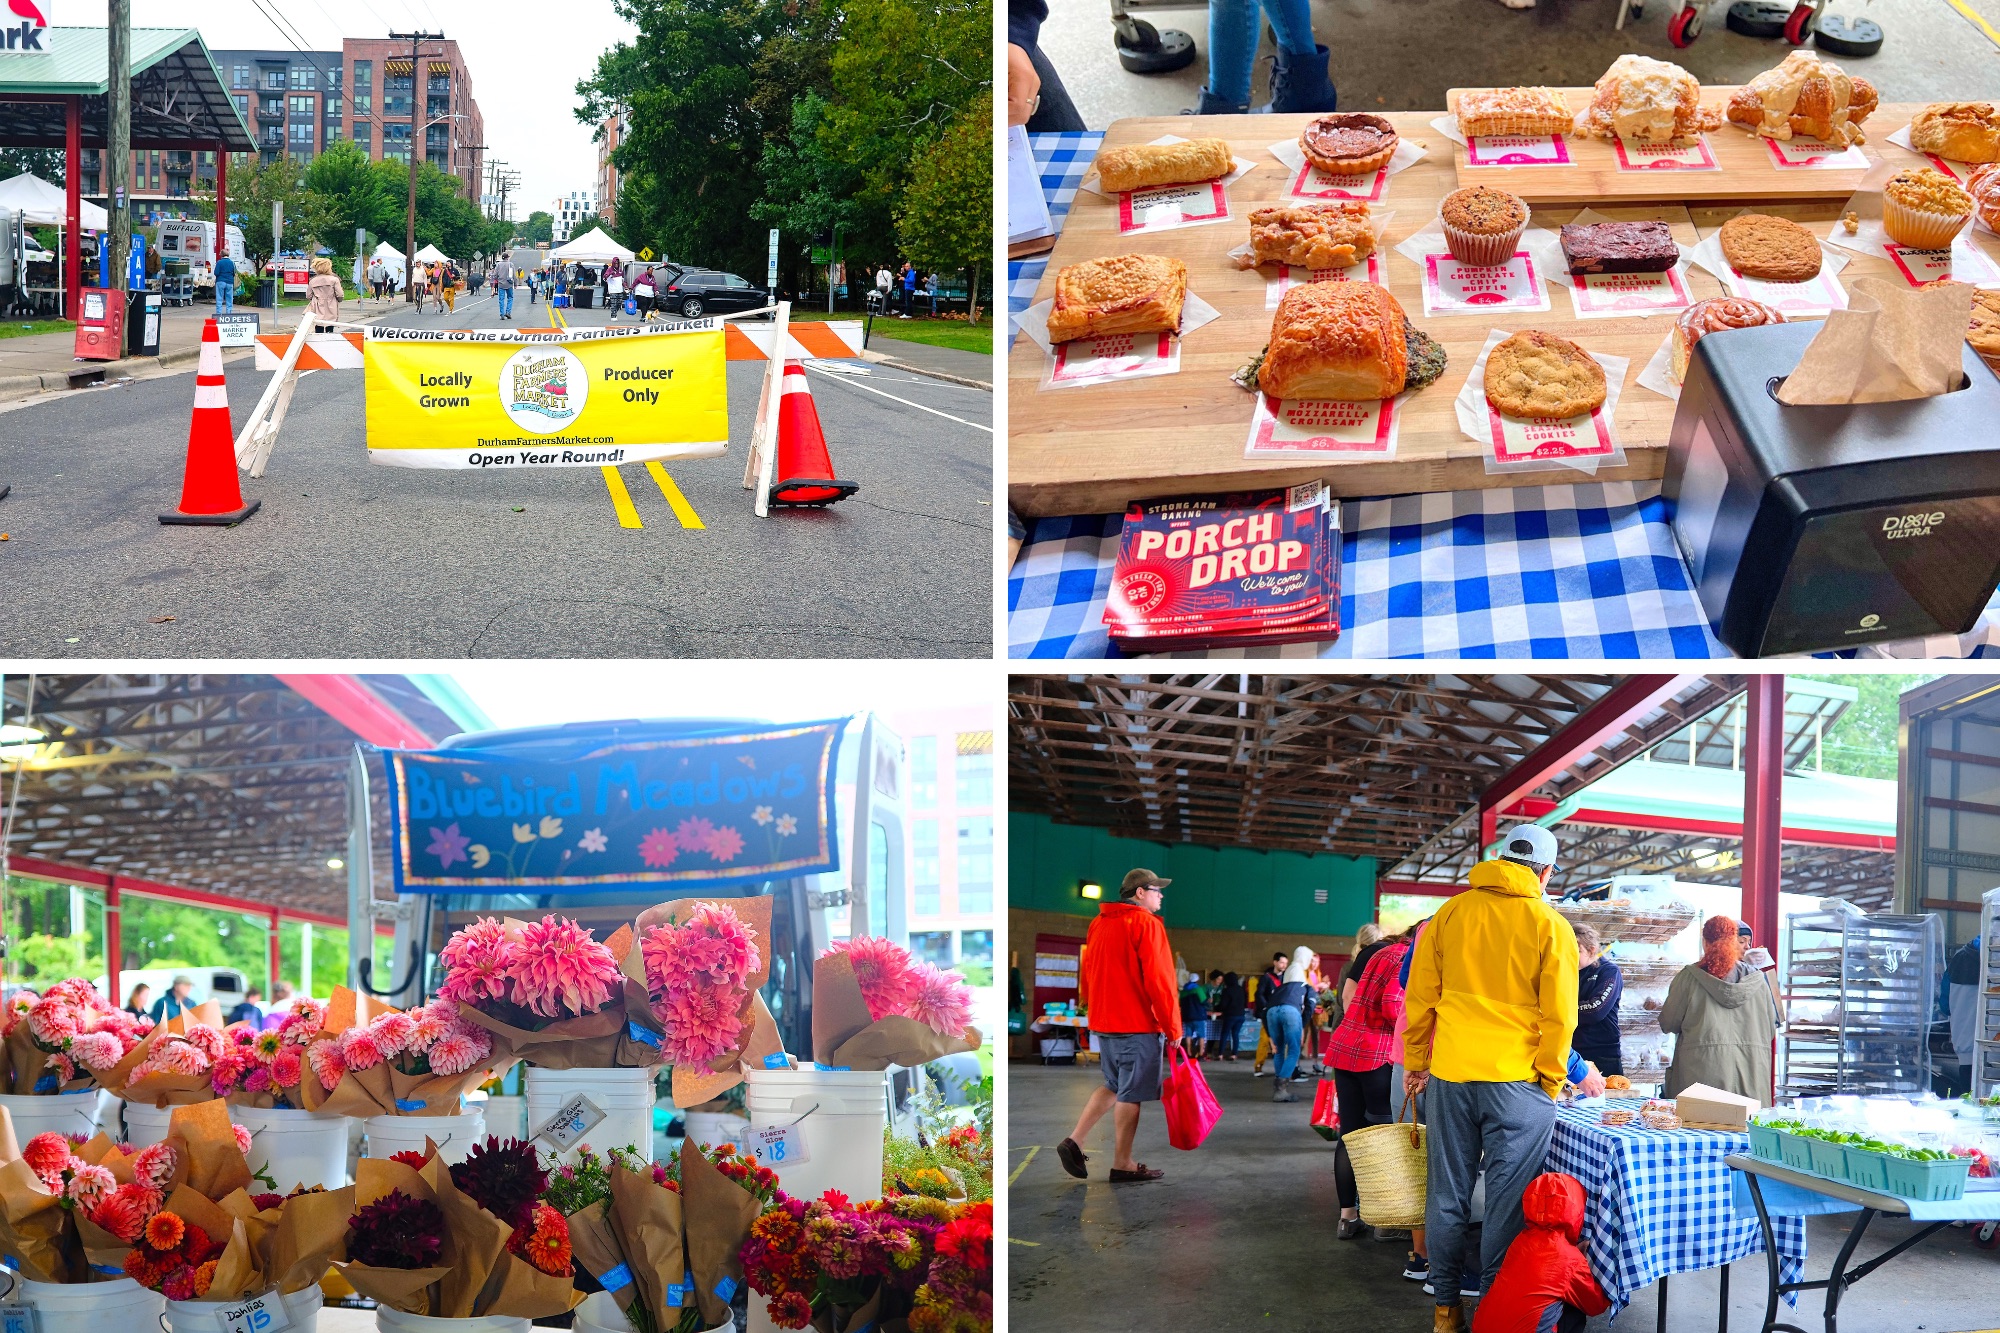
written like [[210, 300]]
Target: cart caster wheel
[[1758, 18], [1848, 37], [1987, 1235], [1684, 27], [1635, 11], [1144, 49], [1799, 27]]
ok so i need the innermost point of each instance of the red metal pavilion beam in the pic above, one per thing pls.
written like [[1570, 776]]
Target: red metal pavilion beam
[[1534, 807], [1612, 712], [349, 701], [1763, 799]]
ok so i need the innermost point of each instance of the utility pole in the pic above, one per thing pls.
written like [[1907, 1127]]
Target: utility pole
[[118, 174], [416, 41]]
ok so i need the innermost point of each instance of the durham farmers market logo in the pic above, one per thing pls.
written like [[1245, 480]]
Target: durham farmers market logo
[[626, 816], [543, 388], [31, 34]]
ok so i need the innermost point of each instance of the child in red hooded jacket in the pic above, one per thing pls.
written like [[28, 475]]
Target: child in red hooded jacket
[[1545, 1284]]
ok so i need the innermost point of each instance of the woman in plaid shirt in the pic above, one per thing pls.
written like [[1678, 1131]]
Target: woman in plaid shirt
[[1361, 1050]]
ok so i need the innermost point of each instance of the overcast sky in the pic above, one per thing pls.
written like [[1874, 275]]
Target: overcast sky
[[539, 693], [525, 60]]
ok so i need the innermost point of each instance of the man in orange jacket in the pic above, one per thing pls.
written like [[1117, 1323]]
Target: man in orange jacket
[[1127, 986]]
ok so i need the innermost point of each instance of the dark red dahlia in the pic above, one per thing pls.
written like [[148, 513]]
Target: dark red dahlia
[[396, 1231], [503, 1176]]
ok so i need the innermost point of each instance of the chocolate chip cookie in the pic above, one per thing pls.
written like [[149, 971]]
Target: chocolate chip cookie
[[1772, 249], [1540, 376]]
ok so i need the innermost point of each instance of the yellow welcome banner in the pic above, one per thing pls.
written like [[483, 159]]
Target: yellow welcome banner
[[483, 398]]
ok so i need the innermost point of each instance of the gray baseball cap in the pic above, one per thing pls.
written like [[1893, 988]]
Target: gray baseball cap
[[1530, 845]]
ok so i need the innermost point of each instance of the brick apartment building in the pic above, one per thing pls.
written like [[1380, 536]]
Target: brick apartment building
[[298, 102], [609, 136]]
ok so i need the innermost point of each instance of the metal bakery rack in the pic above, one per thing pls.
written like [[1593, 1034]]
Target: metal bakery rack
[[1858, 1000], [1986, 1053]]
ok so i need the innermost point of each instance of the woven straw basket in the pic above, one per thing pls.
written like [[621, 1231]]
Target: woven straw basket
[[1390, 1171]]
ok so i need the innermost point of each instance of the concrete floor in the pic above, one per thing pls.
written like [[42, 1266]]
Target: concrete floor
[[1401, 55], [1239, 1235]]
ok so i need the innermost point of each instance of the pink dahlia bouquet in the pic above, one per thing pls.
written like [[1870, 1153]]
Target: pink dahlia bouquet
[[274, 1067], [874, 1005], [173, 1063], [63, 1039], [547, 991], [50, 1192], [699, 964], [419, 1062]]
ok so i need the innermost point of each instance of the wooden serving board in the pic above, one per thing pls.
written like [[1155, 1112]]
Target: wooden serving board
[[1093, 450], [1747, 172]]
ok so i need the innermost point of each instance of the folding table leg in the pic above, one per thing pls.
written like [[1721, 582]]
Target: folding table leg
[[1722, 1306], [1837, 1281], [1663, 1303]]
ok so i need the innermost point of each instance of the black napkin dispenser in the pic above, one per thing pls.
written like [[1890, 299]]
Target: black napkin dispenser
[[1808, 529]]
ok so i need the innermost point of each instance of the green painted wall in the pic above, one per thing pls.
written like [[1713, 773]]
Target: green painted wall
[[1215, 888]]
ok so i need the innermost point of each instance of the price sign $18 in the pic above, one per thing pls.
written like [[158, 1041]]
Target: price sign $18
[[779, 1145]]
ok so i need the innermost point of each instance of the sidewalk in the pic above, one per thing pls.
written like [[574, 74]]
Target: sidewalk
[[45, 361], [947, 362]]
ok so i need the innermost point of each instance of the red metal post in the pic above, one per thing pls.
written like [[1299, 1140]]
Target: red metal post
[[221, 197], [277, 961], [73, 180], [114, 943], [1763, 796]]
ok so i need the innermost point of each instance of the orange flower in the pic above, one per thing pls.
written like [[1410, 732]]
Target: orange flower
[[203, 1276], [164, 1230]]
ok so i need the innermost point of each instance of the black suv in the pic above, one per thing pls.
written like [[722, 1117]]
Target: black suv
[[694, 292]]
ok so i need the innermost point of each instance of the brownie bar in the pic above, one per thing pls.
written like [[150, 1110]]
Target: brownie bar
[[1619, 247]]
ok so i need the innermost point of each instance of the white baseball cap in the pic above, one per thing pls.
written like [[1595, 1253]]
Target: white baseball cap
[[1529, 844]]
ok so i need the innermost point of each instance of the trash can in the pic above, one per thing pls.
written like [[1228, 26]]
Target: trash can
[[267, 293], [582, 297], [142, 323]]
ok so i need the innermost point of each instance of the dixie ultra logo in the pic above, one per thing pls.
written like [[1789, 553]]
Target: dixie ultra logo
[[30, 34], [1910, 525]]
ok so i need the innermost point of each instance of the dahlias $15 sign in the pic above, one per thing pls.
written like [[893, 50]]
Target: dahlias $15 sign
[[707, 808]]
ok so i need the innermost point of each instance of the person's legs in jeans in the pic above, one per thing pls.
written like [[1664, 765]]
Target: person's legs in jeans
[[1232, 41], [1452, 1148], [1519, 1119], [1285, 1025]]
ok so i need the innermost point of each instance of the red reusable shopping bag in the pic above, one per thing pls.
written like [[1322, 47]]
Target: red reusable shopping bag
[[1326, 1111], [1191, 1108]]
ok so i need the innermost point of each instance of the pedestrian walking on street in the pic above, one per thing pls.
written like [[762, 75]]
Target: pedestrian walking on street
[[378, 276], [909, 290], [225, 284], [645, 291], [417, 277], [503, 286], [448, 290], [883, 282], [323, 294]]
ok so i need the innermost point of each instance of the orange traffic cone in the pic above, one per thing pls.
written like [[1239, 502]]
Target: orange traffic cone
[[210, 496], [803, 464]]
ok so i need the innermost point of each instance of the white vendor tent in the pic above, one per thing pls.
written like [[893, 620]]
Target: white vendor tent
[[42, 203], [430, 254], [392, 259], [593, 247]]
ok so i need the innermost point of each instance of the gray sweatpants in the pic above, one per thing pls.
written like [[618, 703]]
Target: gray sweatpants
[[1506, 1124]]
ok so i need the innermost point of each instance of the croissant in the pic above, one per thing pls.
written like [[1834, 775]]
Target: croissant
[[1804, 96]]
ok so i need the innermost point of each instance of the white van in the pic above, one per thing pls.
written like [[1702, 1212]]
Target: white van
[[194, 242], [224, 985]]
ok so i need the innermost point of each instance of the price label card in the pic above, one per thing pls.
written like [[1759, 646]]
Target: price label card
[[574, 1119], [1285, 277], [1302, 427], [1794, 300], [1452, 288], [779, 1146], [18, 1319], [1167, 206], [1665, 156], [1116, 356], [1964, 261], [1309, 182], [1800, 152], [1609, 295], [1516, 440], [1516, 150], [259, 1314]]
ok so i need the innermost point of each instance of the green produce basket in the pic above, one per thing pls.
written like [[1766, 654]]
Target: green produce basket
[[1928, 1180], [1828, 1159], [1795, 1151], [1866, 1168], [1764, 1142]]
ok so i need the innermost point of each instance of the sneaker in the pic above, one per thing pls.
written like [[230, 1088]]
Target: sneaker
[[1416, 1267], [1350, 1227], [1391, 1234]]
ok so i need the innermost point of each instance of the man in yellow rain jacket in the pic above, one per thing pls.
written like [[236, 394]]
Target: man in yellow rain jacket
[[1491, 1006]]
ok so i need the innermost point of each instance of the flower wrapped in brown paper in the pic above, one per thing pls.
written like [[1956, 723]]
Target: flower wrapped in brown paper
[[647, 1223], [683, 945], [476, 1274], [47, 1237], [845, 1035], [392, 1062], [594, 1040], [153, 1075], [718, 1211]]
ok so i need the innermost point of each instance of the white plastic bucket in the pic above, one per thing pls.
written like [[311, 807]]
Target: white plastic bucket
[[295, 1147], [506, 1116], [146, 1125], [395, 1321], [302, 1307], [92, 1307], [453, 1134], [625, 1096], [62, 1112], [841, 1114], [714, 1128], [598, 1313]]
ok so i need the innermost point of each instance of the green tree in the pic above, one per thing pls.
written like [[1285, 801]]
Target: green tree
[[355, 196], [156, 933], [946, 219], [45, 958], [539, 227], [1864, 742], [808, 192], [44, 162]]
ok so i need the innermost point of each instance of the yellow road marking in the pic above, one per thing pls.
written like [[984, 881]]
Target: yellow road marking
[[621, 499], [1962, 7], [1015, 1174], [682, 509], [1034, 1243]]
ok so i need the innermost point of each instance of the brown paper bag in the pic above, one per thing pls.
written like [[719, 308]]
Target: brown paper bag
[[591, 1042], [594, 1242], [198, 1210], [207, 1143], [10, 1142], [695, 1086], [475, 1243], [160, 1090], [719, 1214], [311, 1233], [843, 1033], [649, 1221], [839, 1010], [369, 1092], [412, 1290], [34, 1229]]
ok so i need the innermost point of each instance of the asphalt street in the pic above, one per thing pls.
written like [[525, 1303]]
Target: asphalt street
[[346, 559]]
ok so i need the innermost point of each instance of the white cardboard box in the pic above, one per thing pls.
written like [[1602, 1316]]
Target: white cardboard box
[[1712, 1108]]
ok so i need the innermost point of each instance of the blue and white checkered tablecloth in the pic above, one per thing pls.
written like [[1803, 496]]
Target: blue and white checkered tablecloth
[[1579, 570], [1661, 1203]]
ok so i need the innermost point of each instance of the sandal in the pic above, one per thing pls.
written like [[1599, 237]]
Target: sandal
[[1127, 1177]]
